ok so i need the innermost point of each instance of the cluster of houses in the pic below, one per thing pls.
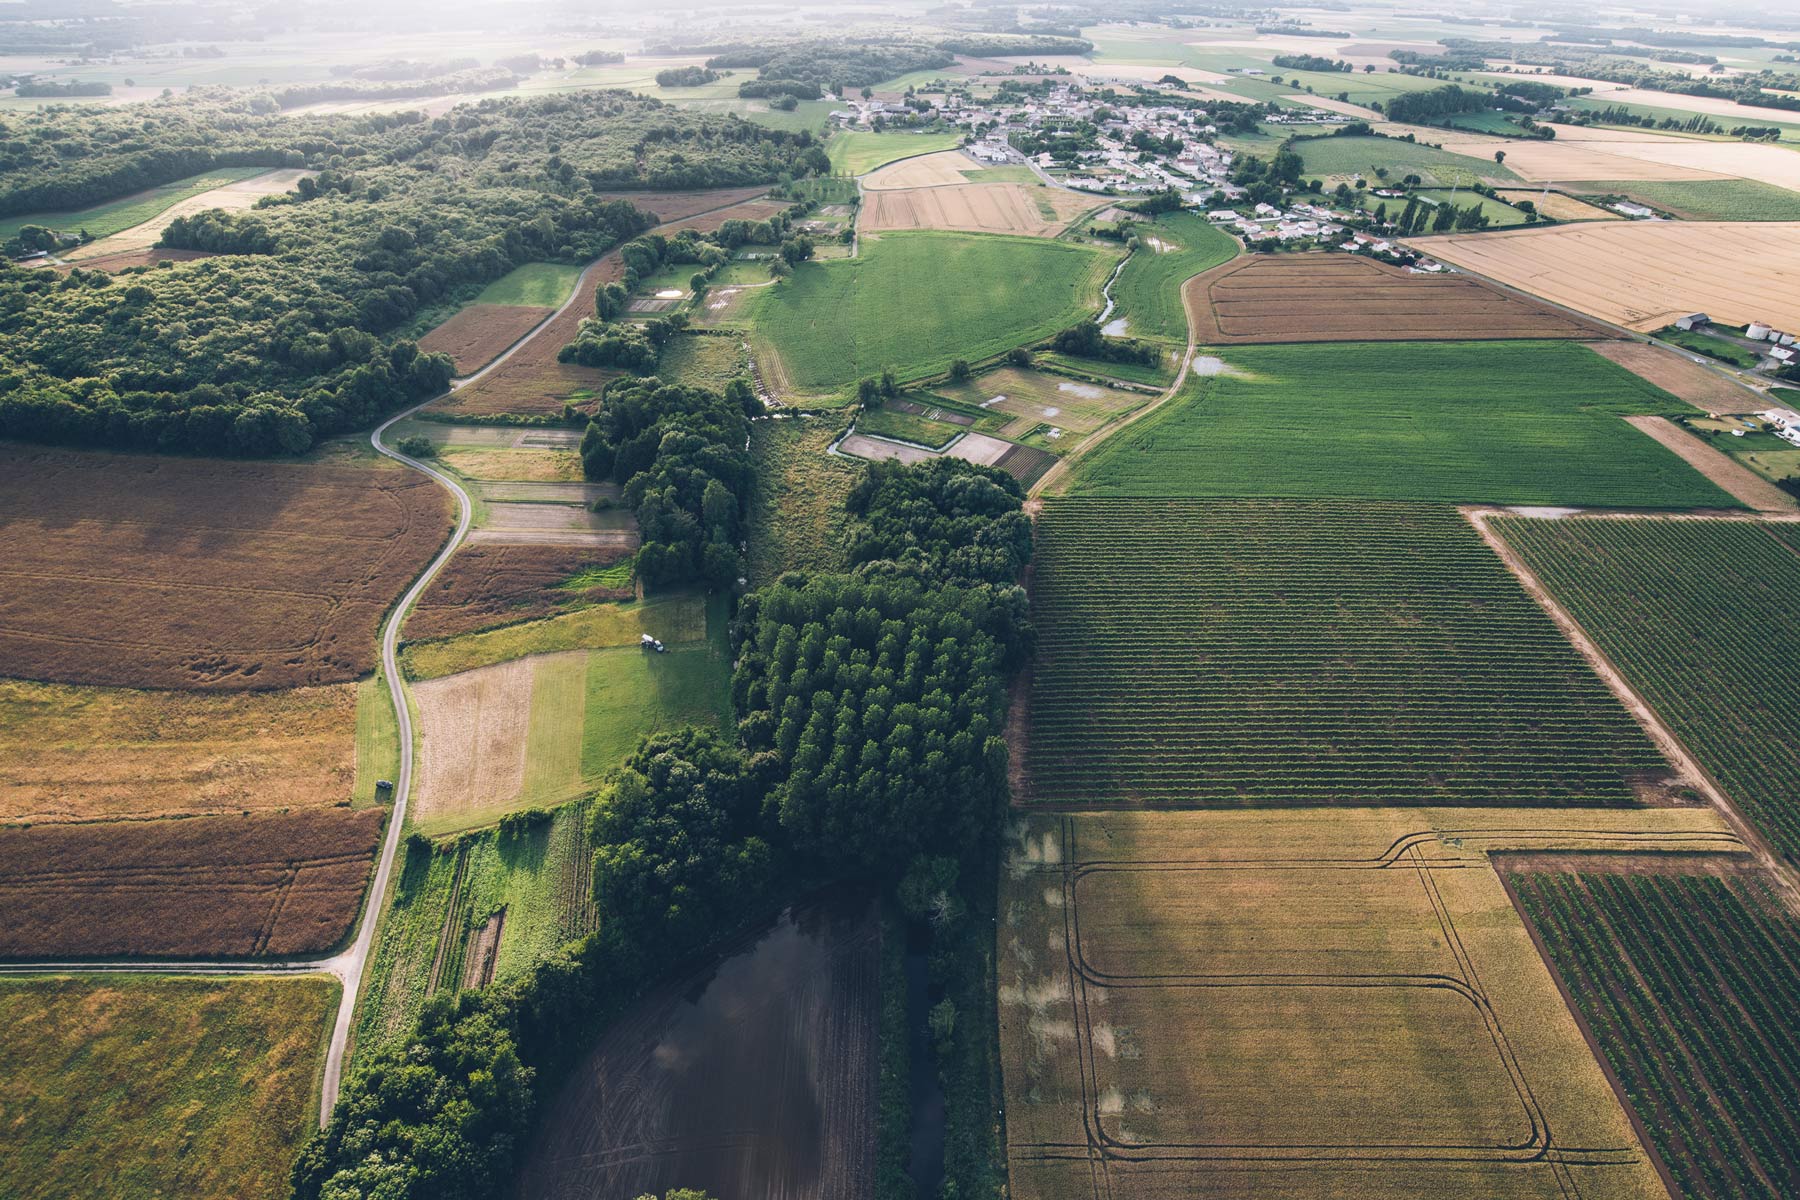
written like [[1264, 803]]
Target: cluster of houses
[[1784, 423]]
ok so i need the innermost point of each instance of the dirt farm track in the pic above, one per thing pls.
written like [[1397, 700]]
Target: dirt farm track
[[1644, 274]]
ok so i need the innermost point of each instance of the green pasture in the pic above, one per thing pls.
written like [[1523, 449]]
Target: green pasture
[[1362, 155], [377, 738], [116, 216], [533, 285], [1499, 213], [1148, 290], [1477, 422], [1706, 199], [858, 153], [915, 301], [797, 517]]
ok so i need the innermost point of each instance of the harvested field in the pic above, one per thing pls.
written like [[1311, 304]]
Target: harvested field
[[774, 1042], [1278, 652], [1338, 298], [510, 465], [1773, 165], [1700, 386], [268, 885], [947, 168], [1031, 209], [83, 754], [1559, 207], [1302, 1005], [472, 737], [159, 1087], [532, 382], [561, 523], [475, 336], [236, 196], [1643, 274], [1743, 483], [488, 585], [145, 571], [1557, 162]]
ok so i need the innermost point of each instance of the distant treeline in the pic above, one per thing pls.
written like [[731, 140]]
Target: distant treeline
[[50, 88]]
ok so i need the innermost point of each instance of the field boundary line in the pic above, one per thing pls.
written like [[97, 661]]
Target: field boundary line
[[1646, 716]]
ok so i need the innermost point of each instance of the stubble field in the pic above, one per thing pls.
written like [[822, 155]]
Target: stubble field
[[1030, 209], [1302, 1005], [486, 585], [140, 571], [473, 337]]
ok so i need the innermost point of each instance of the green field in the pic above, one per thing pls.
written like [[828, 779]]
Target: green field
[[700, 360], [797, 519], [680, 616], [1701, 618], [116, 216], [1451, 422], [1707, 199], [858, 153], [1276, 652], [132, 1086], [1722, 349], [446, 892], [1488, 121], [1148, 290], [1354, 86], [377, 739], [1499, 213], [1348, 156], [631, 692], [534, 285], [1691, 985], [1789, 131], [916, 301], [906, 427]]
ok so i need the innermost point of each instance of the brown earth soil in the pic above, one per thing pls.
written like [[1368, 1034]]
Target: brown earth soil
[[83, 754], [1339, 298], [142, 571], [267, 885], [1705, 389], [134, 258], [532, 382], [477, 334], [487, 585]]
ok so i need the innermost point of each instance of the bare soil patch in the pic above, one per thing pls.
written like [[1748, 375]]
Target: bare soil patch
[[144, 571], [273, 885], [477, 334], [1721, 468], [1643, 274], [232, 197], [488, 585], [472, 730], [82, 754], [1338, 298], [1705, 389]]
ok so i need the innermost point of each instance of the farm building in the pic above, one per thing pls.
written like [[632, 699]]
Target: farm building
[[1756, 331], [1693, 321]]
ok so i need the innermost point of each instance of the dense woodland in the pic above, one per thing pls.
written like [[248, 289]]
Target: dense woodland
[[296, 332]]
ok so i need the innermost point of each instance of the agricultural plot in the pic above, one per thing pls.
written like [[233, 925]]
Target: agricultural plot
[[232, 189], [1148, 292], [1498, 422], [1690, 985], [1643, 274], [797, 520], [1708, 199], [858, 153], [1668, 159], [116, 216], [476, 335], [1034, 210], [1699, 617], [1559, 207], [488, 585], [1301, 1005], [677, 617], [159, 1087], [701, 361], [774, 1041], [143, 571], [916, 301], [81, 754], [1340, 298], [477, 908], [1559, 162], [270, 885], [1705, 389], [532, 285], [1347, 157], [1282, 652], [1037, 401]]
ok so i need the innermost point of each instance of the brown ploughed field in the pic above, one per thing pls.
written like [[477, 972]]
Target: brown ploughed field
[[139, 571], [497, 584], [477, 334], [239, 886], [1337, 298]]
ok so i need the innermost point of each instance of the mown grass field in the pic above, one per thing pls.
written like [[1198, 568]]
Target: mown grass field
[[122, 1086], [1256, 652], [797, 519], [533, 285], [1709, 199], [675, 617], [1362, 155], [116, 216], [1148, 290], [1691, 985], [1700, 616], [1496, 422], [916, 301], [443, 898], [858, 153]]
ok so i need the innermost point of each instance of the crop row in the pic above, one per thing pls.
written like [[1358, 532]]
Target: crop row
[[1703, 618], [1281, 651], [1692, 987]]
